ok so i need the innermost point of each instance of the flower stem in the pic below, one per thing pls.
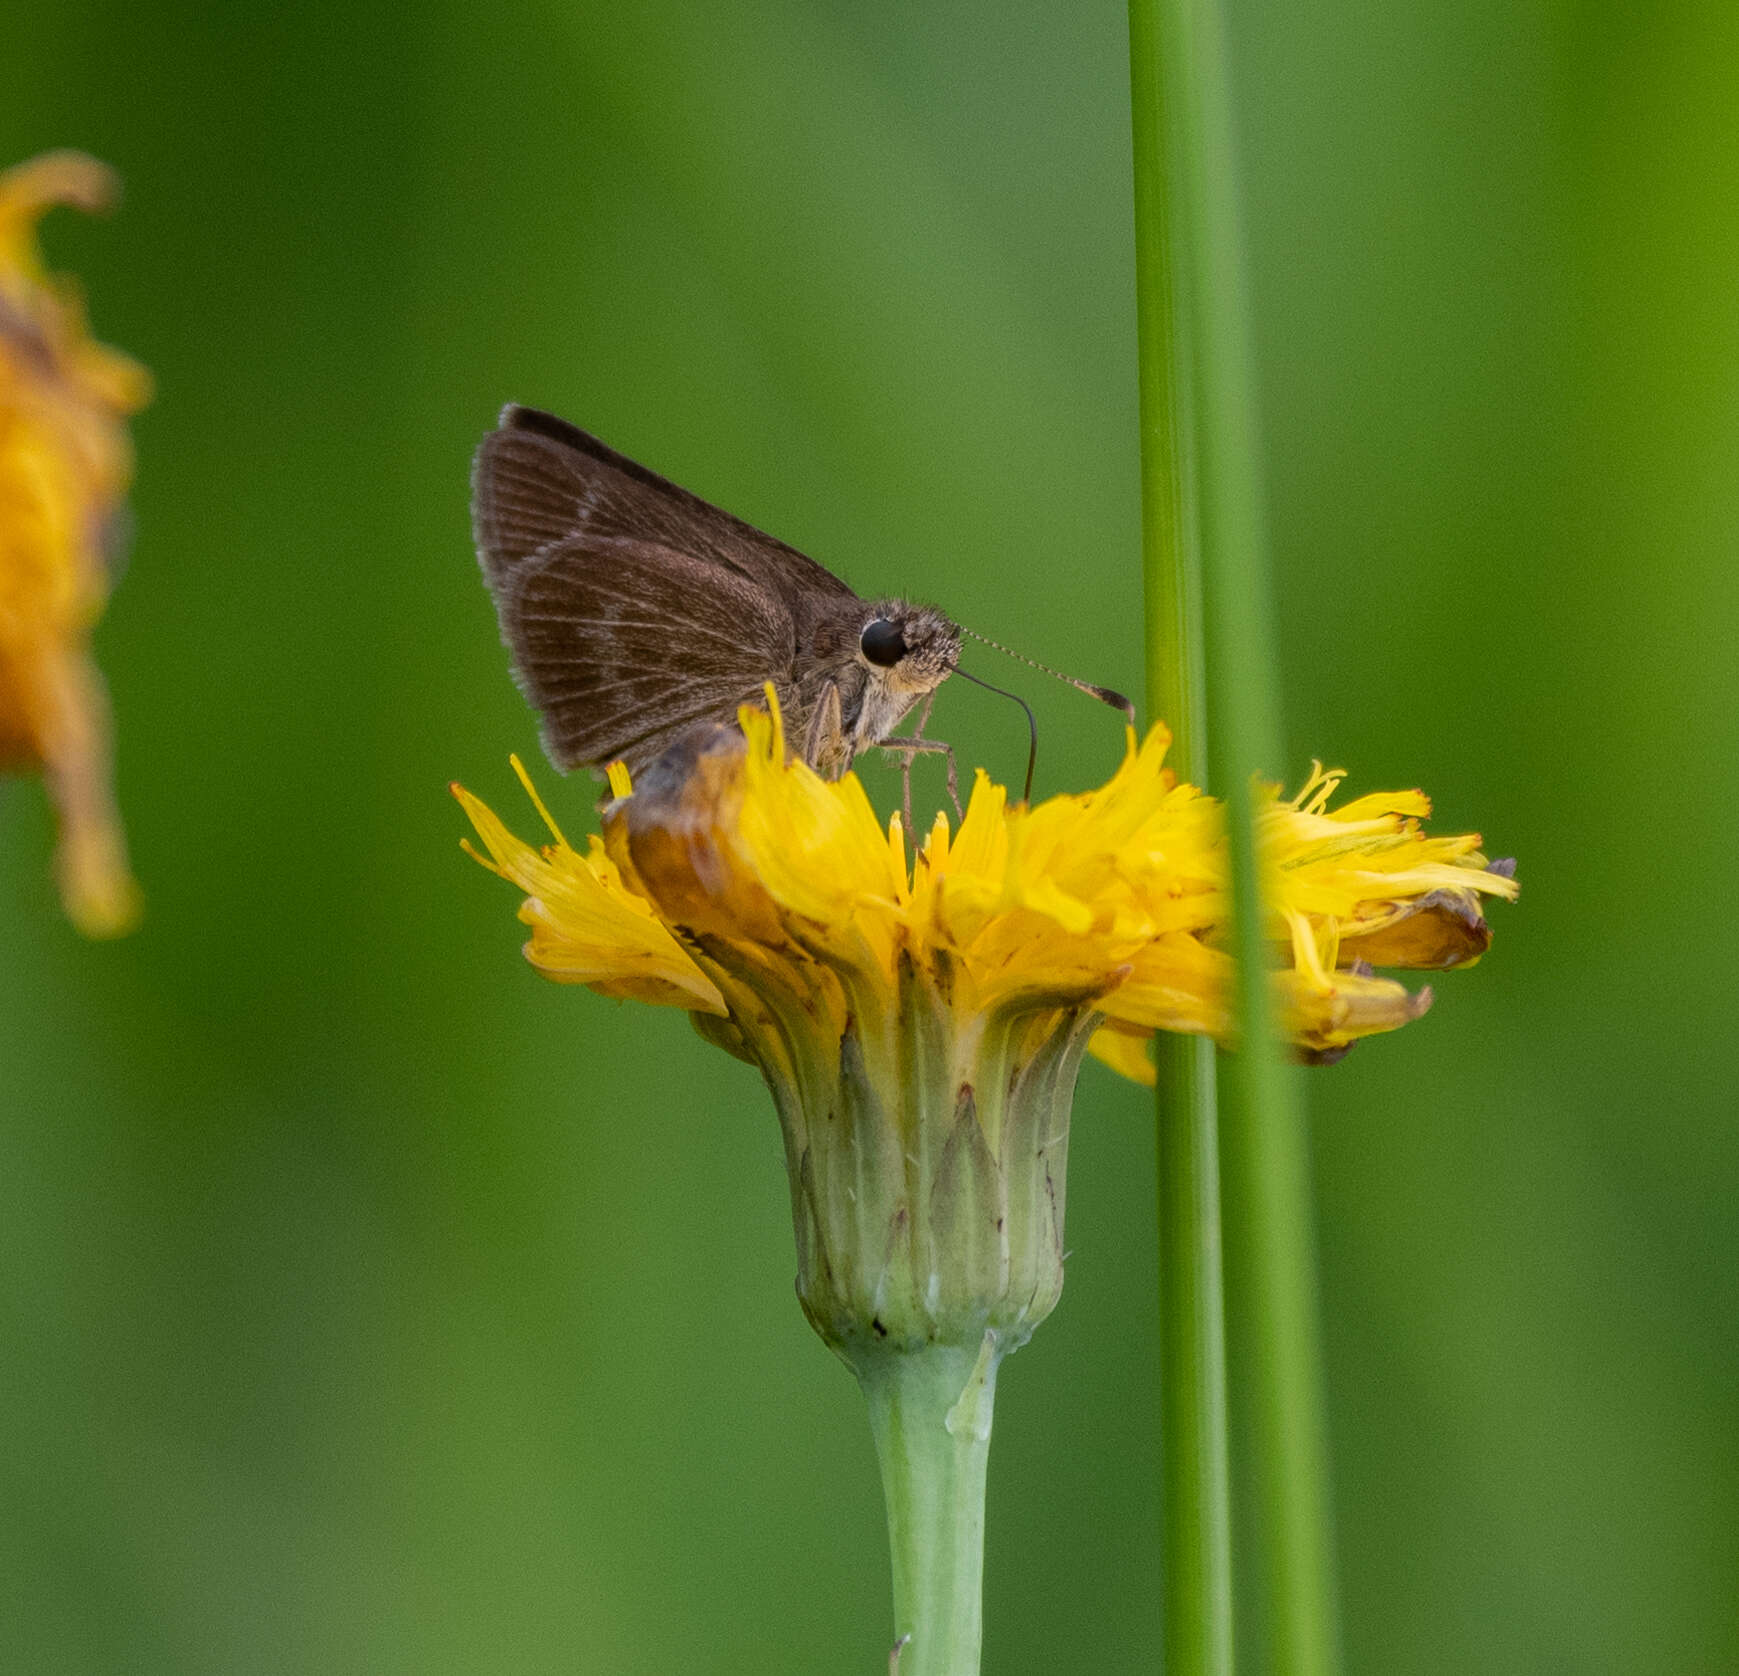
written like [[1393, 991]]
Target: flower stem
[[930, 1411], [1269, 1248], [1196, 1567]]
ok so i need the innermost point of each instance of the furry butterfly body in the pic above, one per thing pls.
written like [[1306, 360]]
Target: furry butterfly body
[[634, 611]]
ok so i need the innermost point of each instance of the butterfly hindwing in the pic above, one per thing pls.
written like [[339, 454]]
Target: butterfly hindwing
[[591, 626], [632, 608]]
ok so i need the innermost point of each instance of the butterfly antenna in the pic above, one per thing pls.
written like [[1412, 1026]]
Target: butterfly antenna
[[1032, 755], [1105, 695]]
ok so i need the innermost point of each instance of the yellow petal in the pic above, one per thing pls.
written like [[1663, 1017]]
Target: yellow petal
[[1129, 1056], [587, 926]]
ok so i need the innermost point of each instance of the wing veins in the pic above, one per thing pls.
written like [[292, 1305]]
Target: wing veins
[[669, 725], [690, 624]]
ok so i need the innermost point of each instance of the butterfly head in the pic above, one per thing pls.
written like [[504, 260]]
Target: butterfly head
[[910, 648]]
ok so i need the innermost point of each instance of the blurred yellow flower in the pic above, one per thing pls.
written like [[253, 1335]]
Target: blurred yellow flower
[[1117, 894], [65, 463]]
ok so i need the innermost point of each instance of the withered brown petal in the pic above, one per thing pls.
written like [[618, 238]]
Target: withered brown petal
[[1440, 930], [676, 829]]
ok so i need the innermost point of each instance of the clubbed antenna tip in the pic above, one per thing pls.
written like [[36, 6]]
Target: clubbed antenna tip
[[1110, 695], [1105, 695]]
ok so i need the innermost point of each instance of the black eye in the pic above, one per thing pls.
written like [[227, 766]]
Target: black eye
[[883, 643]]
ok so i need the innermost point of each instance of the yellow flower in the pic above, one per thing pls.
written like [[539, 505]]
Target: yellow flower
[[1119, 893], [920, 1018], [65, 463]]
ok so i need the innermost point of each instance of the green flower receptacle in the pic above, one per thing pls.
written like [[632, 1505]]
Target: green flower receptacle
[[927, 1153]]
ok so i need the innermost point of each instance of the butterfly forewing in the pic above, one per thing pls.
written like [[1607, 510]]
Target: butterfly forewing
[[632, 608], [525, 496], [539, 479]]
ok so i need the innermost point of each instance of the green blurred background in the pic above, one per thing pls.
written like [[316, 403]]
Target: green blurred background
[[368, 1305]]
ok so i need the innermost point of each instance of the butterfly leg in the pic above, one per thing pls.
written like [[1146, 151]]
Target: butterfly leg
[[918, 727], [910, 748], [825, 746], [906, 762], [953, 768]]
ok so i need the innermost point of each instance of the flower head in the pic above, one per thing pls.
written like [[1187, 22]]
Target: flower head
[[920, 1017], [1117, 894], [65, 463]]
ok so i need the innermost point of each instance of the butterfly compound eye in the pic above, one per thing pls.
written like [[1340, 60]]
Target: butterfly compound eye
[[883, 643]]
